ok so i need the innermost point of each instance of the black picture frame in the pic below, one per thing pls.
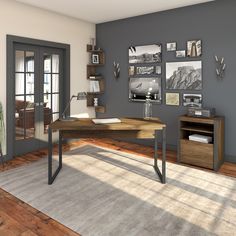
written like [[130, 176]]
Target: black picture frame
[[171, 46], [95, 59], [194, 48], [140, 87], [145, 54]]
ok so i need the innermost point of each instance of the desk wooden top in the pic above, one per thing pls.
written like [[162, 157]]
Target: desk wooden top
[[126, 124]]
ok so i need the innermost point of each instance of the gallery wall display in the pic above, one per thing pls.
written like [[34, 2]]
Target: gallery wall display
[[192, 100], [145, 76], [172, 99], [171, 46], [145, 54], [140, 88], [184, 75], [194, 48]]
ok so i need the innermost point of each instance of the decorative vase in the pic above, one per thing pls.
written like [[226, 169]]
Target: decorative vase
[[147, 108], [93, 43], [95, 102]]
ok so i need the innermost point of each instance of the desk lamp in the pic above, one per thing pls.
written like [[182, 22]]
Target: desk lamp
[[79, 96]]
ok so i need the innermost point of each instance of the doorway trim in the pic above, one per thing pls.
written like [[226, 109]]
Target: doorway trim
[[10, 100]]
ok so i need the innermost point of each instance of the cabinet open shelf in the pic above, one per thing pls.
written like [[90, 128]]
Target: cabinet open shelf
[[95, 78], [199, 130], [95, 65], [94, 93]]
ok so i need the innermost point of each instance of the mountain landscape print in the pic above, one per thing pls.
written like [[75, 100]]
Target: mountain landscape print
[[184, 75], [145, 54]]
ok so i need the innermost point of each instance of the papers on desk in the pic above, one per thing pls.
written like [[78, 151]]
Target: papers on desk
[[106, 121], [200, 138]]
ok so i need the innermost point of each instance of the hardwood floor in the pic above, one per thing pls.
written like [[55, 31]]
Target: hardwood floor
[[18, 218]]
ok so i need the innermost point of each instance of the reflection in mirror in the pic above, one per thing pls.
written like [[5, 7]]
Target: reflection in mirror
[[19, 84], [29, 83], [47, 83], [55, 103], [47, 63], [55, 83], [55, 63], [55, 116], [47, 100], [24, 117], [30, 117], [19, 61], [29, 60]]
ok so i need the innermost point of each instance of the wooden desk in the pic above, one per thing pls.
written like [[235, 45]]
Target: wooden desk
[[128, 128]]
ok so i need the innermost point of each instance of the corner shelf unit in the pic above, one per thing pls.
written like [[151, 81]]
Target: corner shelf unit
[[92, 75], [207, 155]]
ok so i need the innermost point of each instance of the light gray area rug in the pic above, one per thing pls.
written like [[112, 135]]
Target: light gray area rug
[[103, 192]]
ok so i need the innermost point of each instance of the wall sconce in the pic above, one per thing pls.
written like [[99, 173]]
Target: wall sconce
[[220, 67], [116, 67]]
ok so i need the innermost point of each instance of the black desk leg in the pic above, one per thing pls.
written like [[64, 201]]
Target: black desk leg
[[162, 175], [51, 176], [164, 155]]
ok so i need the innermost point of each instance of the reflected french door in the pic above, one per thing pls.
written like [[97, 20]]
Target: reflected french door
[[38, 77]]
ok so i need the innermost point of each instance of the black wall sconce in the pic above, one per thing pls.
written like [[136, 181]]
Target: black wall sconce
[[220, 67], [116, 67]]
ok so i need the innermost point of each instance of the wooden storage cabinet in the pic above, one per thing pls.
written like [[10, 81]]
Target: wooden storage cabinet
[[92, 75], [207, 155]]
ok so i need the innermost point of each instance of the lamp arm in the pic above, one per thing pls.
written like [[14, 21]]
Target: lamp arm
[[67, 106]]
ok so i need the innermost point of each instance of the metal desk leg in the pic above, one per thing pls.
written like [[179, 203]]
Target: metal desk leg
[[164, 155], [51, 176], [162, 175], [60, 149]]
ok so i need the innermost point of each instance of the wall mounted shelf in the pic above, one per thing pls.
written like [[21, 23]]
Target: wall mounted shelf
[[93, 75]]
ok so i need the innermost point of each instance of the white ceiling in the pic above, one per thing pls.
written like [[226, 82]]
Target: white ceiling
[[98, 11]]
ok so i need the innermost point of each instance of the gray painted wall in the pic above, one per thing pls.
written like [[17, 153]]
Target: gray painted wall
[[213, 23]]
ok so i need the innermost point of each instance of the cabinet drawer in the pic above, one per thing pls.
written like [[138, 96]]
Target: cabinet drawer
[[196, 153]]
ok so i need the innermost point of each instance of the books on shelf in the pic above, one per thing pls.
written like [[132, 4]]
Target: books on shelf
[[200, 138], [94, 86], [95, 77]]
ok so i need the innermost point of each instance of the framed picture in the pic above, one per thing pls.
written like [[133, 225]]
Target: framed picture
[[180, 54], [184, 75], [145, 70], [95, 59], [194, 48], [171, 46], [131, 70], [139, 88], [192, 100], [158, 70], [172, 99], [145, 54]]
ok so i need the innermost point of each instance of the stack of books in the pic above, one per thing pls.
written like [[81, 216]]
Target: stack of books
[[94, 86]]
